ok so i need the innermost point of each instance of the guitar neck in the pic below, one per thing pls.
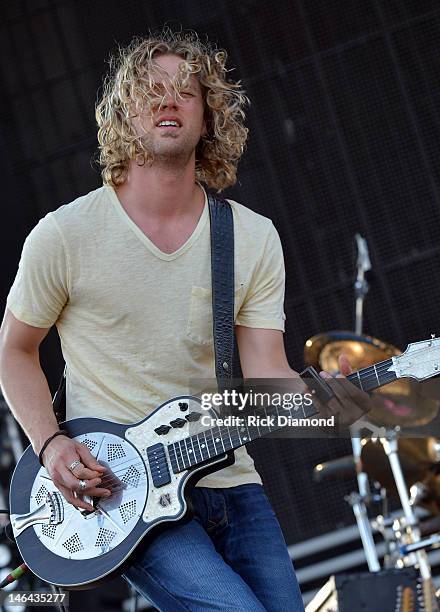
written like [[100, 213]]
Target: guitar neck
[[374, 376], [215, 442]]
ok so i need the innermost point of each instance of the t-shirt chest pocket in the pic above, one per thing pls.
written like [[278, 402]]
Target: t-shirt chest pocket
[[199, 326]]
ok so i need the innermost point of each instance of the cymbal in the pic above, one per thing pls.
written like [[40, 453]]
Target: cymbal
[[417, 456], [418, 459], [324, 349], [404, 402]]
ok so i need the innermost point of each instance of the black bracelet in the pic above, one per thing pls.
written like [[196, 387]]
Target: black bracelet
[[61, 432]]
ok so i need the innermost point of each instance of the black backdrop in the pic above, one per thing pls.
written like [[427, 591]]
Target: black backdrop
[[344, 138]]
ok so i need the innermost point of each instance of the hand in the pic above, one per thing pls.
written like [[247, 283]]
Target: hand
[[62, 452], [349, 402]]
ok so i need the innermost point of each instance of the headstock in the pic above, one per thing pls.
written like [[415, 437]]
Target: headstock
[[421, 360]]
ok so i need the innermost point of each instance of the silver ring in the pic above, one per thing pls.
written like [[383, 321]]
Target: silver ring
[[73, 465], [82, 484]]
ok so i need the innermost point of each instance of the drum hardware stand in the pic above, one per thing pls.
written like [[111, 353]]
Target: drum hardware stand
[[409, 528], [412, 529], [358, 500], [387, 526], [357, 503]]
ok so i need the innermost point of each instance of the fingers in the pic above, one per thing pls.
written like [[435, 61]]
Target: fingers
[[75, 501], [73, 492], [64, 478], [344, 364], [84, 473], [97, 492], [350, 403], [88, 459], [91, 489], [62, 453]]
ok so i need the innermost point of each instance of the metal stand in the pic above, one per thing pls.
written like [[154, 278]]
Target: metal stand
[[361, 286], [357, 500], [390, 447], [357, 504]]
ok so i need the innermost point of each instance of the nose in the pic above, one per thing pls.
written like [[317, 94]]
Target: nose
[[169, 100]]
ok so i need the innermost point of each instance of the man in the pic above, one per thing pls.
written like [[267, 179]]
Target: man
[[124, 273]]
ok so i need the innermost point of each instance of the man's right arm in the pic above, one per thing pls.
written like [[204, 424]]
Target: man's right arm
[[27, 393], [23, 382]]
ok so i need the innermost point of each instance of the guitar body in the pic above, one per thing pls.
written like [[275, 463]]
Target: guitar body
[[82, 550]]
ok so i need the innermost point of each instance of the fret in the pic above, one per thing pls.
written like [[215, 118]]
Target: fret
[[220, 437], [182, 453], [202, 447], [207, 444], [266, 426], [172, 458], [210, 432], [194, 449], [198, 451], [235, 436], [228, 437], [182, 456], [189, 452], [252, 431], [229, 434], [377, 377], [176, 457], [248, 432], [360, 381], [215, 440], [244, 438]]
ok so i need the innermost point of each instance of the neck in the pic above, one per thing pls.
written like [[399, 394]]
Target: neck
[[160, 190], [214, 442]]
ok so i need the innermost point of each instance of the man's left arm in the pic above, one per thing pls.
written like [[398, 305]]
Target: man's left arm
[[262, 355]]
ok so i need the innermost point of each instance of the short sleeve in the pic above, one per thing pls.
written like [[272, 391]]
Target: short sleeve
[[263, 306], [40, 288]]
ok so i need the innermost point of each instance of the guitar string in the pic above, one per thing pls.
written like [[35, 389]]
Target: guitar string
[[222, 429], [224, 433], [381, 367]]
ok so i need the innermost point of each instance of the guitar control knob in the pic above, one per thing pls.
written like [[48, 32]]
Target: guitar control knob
[[162, 430], [193, 416], [178, 423], [183, 406]]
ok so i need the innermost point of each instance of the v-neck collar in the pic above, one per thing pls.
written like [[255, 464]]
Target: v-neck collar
[[145, 240]]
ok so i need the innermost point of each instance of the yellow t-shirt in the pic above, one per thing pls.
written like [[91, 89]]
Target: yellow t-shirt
[[135, 323]]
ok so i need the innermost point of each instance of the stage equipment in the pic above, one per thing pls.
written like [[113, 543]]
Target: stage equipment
[[385, 591], [402, 403]]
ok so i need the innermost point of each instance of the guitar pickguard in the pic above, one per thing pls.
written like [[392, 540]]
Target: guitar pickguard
[[166, 502], [85, 536]]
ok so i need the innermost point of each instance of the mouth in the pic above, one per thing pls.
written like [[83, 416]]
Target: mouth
[[171, 128], [168, 124]]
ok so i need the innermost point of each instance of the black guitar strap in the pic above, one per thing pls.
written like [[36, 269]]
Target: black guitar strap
[[227, 364]]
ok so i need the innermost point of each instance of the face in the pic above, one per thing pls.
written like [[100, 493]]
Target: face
[[171, 142]]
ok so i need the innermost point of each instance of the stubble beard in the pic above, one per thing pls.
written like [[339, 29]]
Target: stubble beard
[[169, 150]]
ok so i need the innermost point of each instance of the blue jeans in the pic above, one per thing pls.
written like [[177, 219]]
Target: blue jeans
[[231, 556]]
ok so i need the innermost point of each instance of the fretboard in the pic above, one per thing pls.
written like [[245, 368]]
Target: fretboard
[[374, 376], [216, 441]]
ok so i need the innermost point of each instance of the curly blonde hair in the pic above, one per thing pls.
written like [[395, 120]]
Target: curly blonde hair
[[129, 87]]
